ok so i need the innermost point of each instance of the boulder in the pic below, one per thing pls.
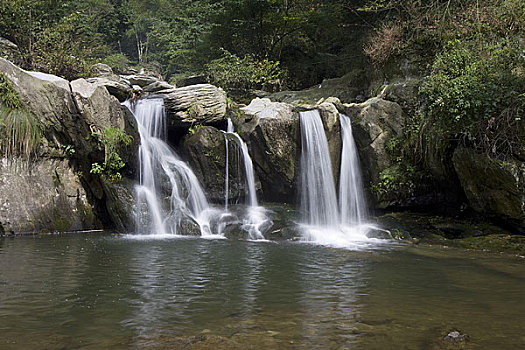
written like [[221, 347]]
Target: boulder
[[201, 104], [272, 132], [158, 86], [141, 80], [493, 187], [101, 70], [205, 150], [347, 88], [102, 111], [58, 201], [121, 204], [119, 88], [10, 51], [378, 121]]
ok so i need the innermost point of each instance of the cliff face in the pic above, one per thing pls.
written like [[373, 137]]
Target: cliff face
[[53, 189]]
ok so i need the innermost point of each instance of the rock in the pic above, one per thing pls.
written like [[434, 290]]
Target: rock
[[379, 121], [201, 104], [101, 69], [272, 132], [455, 337], [191, 80], [492, 186], [330, 117], [206, 153], [121, 204], [403, 92], [102, 111], [140, 79], [10, 51], [58, 202], [120, 89], [345, 88], [158, 86]]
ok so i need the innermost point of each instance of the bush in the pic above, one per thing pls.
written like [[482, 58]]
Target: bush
[[476, 96], [113, 139], [384, 43], [233, 73]]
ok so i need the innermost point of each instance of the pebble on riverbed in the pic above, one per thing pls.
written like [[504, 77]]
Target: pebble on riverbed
[[455, 337]]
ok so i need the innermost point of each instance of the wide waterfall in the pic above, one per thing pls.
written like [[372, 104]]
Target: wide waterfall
[[327, 220], [255, 221], [169, 195]]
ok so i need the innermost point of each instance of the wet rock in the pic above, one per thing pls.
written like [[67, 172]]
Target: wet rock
[[456, 337], [492, 186], [205, 150], [121, 204], [195, 104]]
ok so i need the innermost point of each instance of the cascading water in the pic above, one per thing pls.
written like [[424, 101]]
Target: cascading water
[[351, 197], [255, 221], [169, 191], [326, 222], [318, 198]]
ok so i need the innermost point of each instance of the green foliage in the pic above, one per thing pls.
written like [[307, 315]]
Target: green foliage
[[118, 62], [234, 73], [113, 139], [8, 95], [399, 177], [476, 95], [21, 134], [20, 131]]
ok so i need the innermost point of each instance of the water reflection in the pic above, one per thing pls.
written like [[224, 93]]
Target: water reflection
[[99, 291]]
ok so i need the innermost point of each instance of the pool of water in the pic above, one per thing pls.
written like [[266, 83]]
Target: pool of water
[[94, 291]]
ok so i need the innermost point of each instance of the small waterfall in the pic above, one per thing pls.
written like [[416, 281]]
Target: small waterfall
[[326, 220], [351, 197], [318, 198], [256, 220], [169, 192]]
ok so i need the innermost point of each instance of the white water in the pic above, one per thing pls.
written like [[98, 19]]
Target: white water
[[318, 198], [255, 221], [351, 198], [327, 221], [169, 192]]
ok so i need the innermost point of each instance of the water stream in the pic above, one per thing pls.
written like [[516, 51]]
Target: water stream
[[169, 192]]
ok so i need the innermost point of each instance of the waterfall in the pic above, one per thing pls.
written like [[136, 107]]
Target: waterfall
[[318, 198], [326, 220], [168, 192], [256, 220], [351, 197]]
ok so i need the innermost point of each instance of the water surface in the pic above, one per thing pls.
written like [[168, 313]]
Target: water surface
[[95, 291]]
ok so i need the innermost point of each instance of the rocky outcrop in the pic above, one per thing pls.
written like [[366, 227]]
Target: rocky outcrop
[[205, 150], [492, 186], [101, 111], [195, 104], [72, 119], [45, 195]]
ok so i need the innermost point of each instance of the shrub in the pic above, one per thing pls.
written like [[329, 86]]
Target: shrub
[[476, 96], [113, 139], [384, 43], [234, 73]]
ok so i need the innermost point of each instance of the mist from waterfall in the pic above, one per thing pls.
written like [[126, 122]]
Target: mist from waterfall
[[168, 193]]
